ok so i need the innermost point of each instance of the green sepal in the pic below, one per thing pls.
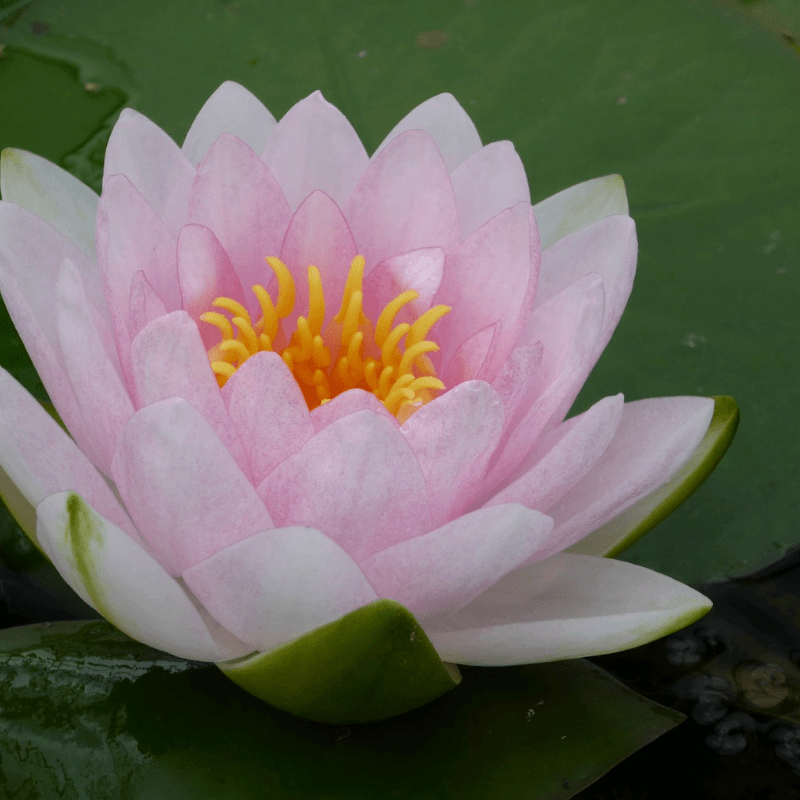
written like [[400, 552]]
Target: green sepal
[[622, 531], [372, 664]]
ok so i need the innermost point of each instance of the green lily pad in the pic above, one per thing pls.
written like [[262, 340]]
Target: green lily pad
[[622, 531], [87, 712], [692, 102], [371, 664]]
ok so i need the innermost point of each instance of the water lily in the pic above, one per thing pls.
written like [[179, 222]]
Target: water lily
[[298, 379]]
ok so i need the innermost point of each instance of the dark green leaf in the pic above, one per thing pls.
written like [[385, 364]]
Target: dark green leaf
[[86, 712]]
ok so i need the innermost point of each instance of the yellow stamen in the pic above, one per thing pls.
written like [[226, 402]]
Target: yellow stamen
[[320, 354], [223, 371], [388, 314], [235, 308], [389, 348], [353, 284], [270, 318], [237, 348], [316, 301], [285, 287], [221, 321], [247, 333], [326, 361], [385, 382], [412, 352], [396, 397], [419, 330]]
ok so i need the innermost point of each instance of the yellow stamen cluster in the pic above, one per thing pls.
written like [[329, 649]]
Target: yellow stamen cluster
[[366, 357]]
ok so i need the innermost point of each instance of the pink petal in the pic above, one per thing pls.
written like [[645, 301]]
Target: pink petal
[[517, 377], [169, 360], [441, 571], [137, 240], [446, 122], [237, 197], [315, 147], [357, 481], [231, 109], [185, 492], [41, 459], [154, 164], [269, 412], [346, 403], [116, 576], [608, 248], [487, 183], [420, 270], [453, 438], [654, 440], [468, 361], [567, 327], [31, 254], [205, 273], [145, 305], [130, 238], [404, 201], [562, 456], [96, 380], [491, 277], [279, 584], [318, 234]]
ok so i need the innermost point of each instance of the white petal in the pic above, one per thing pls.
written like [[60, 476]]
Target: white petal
[[231, 109], [60, 199], [126, 585], [568, 606], [579, 206], [447, 123], [39, 458]]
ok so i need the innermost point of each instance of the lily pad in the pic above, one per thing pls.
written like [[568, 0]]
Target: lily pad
[[87, 712]]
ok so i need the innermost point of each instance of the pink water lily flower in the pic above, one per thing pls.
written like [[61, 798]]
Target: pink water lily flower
[[298, 378]]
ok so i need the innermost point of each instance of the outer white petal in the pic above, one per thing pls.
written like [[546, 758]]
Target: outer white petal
[[279, 584], [231, 109], [125, 584], [60, 199], [568, 606], [579, 206], [447, 123], [39, 458]]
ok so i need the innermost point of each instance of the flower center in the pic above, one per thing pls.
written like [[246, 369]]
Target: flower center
[[350, 353]]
